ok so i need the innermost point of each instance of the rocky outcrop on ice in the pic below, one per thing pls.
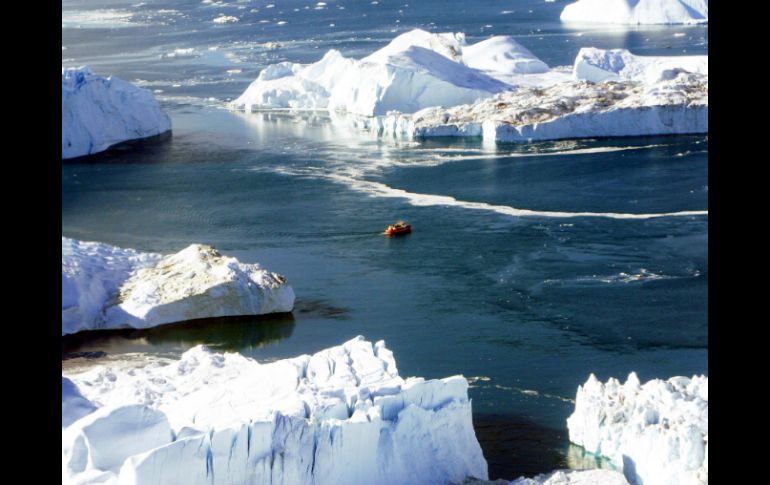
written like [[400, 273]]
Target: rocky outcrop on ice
[[576, 109], [637, 11], [340, 416], [600, 65], [105, 287], [98, 112], [416, 70], [658, 431]]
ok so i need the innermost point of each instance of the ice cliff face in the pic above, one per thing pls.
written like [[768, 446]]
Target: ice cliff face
[[416, 70], [97, 113], [576, 109], [340, 416], [105, 287], [637, 11], [600, 65], [658, 432]]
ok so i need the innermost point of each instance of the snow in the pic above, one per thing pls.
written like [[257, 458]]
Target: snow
[[415, 70], [576, 109], [599, 65], [563, 477], [73, 405], [637, 11], [658, 432], [105, 287], [340, 416], [98, 112]]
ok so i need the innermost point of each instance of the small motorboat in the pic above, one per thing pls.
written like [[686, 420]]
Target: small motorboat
[[400, 227]]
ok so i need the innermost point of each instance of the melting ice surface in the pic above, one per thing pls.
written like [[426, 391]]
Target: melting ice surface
[[527, 306]]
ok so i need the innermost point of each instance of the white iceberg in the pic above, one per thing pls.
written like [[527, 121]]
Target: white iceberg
[[600, 65], [575, 477], [105, 287], [637, 11], [98, 112], [340, 416], [576, 109], [416, 70], [658, 432], [563, 477]]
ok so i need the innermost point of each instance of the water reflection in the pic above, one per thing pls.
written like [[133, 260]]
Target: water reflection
[[220, 334]]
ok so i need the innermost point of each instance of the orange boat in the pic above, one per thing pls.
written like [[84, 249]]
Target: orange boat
[[400, 227]]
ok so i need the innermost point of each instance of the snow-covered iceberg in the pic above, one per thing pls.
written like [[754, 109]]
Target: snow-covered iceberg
[[98, 112], [658, 432], [637, 11], [416, 70], [576, 109], [341, 416], [106, 287], [600, 65]]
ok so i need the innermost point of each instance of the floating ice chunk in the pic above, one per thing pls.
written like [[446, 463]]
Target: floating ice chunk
[[657, 431], [599, 65], [575, 477], [637, 11], [98, 113], [340, 416], [226, 19], [106, 287]]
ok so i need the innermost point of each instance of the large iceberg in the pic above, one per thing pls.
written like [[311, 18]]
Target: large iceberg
[[341, 416], [416, 70], [637, 11], [106, 287], [577, 109], [599, 65], [658, 432], [98, 112]]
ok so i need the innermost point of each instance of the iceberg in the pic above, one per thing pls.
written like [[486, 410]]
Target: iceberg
[[600, 65], [637, 11], [98, 112], [563, 477], [106, 287], [576, 109], [340, 416], [415, 70], [657, 431]]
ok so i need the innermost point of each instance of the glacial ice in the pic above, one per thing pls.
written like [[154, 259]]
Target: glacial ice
[[340, 416], [637, 11], [658, 431], [600, 65], [105, 287], [98, 112], [563, 477], [576, 109], [415, 70]]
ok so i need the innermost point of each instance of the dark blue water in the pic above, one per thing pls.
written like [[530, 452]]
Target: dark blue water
[[526, 306]]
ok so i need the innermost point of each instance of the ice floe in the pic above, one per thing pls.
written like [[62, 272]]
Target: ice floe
[[658, 431], [599, 65], [98, 112], [415, 70], [637, 11], [340, 416], [105, 287], [563, 477], [576, 109]]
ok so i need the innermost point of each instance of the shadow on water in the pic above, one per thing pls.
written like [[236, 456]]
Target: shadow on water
[[220, 334], [129, 151], [515, 446]]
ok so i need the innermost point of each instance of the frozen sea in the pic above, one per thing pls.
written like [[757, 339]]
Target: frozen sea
[[525, 307]]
